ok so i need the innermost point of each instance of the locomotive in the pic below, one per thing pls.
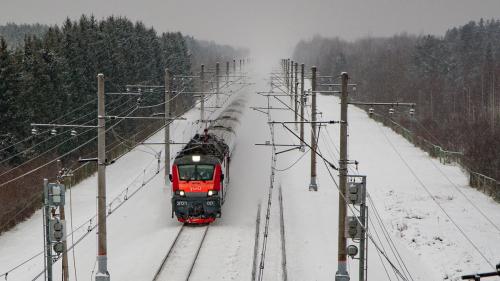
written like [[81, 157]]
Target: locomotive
[[200, 171]]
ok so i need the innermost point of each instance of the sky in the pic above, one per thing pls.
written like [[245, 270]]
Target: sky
[[270, 28]]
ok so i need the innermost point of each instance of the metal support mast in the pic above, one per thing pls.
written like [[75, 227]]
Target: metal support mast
[[287, 77], [313, 186], [296, 105], [102, 262], [217, 85], [48, 248], [362, 241], [167, 125], [202, 96], [302, 104], [342, 274]]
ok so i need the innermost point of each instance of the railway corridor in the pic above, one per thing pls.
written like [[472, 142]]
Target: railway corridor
[[142, 232]]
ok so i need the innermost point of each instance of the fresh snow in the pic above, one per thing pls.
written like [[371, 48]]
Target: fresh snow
[[141, 230]]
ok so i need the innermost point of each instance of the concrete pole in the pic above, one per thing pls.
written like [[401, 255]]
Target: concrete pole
[[290, 89], [302, 105], [313, 186], [342, 274], [362, 240], [227, 71], [202, 94], [234, 66], [62, 216], [48, 245], [217, 85], [167, 125], [295, 102], [287, 81], [240, 65], [65, 271], [102, 251]]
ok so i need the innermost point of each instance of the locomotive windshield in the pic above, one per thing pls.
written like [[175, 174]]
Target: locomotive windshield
[[199, 172]]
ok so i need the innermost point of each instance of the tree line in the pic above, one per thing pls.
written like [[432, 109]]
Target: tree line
[[454, 79], [51, 76]]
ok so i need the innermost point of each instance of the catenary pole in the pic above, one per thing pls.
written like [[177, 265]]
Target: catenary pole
[[202, 96], [102, 262], [342, 274], [48, 248], [287, 80], [296, 105], [217, 85], [302, 104], [313, 186], [62, 216], [290, 89], [167, 126]]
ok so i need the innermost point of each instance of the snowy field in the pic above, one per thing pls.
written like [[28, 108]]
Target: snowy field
[[141, 230]]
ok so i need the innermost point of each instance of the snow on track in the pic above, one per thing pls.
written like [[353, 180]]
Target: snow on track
[[141, 231], [180, 260]]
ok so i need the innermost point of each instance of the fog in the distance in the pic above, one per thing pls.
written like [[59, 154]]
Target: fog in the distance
[[270, 28]]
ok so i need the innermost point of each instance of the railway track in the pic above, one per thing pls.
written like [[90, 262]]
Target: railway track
[[180, 260]]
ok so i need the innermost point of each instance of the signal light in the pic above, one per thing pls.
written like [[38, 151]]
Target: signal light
[[34, 131], [73, 133], [352, 251], [57, 234], [53, 132], [353, 227], [59, 247]]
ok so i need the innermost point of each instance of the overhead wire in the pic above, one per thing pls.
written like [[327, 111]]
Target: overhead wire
[[63, 155], [328, 166], [54, 120], [93, 218], [47, 140], [393, 249], [461, 231]]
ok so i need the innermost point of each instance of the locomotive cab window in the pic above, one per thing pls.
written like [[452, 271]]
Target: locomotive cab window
[[199, 172]]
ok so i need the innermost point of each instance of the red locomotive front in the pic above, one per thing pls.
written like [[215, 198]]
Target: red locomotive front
[[198, 180]]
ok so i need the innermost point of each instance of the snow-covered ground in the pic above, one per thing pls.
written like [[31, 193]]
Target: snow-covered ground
[[141, 230], [430, 244]]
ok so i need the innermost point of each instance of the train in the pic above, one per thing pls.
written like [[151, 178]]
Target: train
[[200, 171]]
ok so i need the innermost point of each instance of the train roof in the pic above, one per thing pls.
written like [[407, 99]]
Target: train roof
[[206, 145]]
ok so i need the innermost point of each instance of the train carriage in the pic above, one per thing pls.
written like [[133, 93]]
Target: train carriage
[[200, 171]]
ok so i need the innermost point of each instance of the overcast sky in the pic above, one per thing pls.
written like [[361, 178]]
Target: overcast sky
[[267, 27]]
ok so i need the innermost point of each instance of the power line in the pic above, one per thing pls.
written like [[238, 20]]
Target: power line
[[50, 149], [434, 199], [49, 138], [55, 120], [465, 196], [65, 154]]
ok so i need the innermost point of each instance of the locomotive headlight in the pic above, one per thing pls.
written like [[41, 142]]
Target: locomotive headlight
[[212, 192], [196, 158], [182, 193]]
